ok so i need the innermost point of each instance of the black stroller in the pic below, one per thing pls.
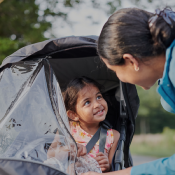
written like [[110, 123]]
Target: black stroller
[[32, 111]]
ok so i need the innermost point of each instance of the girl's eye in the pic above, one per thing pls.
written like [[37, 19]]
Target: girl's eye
[[99, 97], [87, 103]]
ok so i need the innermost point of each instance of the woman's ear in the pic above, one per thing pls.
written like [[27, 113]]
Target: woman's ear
[[131, 60], [72, 115]]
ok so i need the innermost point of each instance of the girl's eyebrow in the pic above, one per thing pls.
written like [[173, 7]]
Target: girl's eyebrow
[[98, 93], [89, 98], [85, 99]]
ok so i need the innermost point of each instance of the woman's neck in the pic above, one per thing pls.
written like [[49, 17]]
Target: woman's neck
[[159, 66], [90, 128]]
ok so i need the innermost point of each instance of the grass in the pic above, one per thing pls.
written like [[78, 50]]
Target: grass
[[151, 146], [151, 150]]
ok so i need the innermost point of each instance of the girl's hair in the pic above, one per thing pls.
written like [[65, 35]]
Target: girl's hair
[[70, 95], [128, 31]]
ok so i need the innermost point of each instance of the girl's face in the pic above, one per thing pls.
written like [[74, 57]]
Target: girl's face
[[91, 108]]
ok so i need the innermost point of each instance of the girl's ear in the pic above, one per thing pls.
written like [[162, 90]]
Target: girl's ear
[[72, 115]]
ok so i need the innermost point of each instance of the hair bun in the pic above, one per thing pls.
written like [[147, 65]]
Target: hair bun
[[162, 27]]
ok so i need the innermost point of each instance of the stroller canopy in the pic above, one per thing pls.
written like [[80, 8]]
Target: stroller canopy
[[32, 114]]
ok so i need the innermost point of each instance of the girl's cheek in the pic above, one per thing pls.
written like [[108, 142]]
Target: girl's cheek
[[106, 106]]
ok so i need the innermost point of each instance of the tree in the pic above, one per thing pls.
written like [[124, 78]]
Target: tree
[[25, 21], [152, 118]]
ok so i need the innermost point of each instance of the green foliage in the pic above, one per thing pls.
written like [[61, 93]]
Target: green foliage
[[149, 101], [113, 6], [169, 137], [20, 18], [8, 46], [25, 22], [152, 112]]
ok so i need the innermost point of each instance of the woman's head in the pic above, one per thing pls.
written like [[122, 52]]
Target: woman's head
[[84, 101], [127, 42]]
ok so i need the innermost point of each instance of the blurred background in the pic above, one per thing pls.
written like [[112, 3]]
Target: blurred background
[[24, 22]]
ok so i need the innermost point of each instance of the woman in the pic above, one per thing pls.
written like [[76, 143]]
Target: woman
[[140, 48]]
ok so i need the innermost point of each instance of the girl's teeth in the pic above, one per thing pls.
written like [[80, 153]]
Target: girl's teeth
[[99, 112]]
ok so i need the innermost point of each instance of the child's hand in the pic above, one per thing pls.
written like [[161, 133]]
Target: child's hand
[[81, 150], [103, 161]]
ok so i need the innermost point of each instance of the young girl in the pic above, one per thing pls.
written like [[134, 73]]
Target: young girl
[[86, 108]]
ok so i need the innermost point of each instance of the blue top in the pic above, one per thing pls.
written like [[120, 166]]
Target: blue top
[[164, 166]]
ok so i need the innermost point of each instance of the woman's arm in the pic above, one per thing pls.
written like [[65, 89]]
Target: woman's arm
[[164, 166], [126, 171]]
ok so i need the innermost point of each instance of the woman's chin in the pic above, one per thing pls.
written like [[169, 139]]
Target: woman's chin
[[145, 88]]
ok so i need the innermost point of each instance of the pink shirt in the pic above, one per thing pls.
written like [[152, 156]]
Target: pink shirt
[[82, 137]]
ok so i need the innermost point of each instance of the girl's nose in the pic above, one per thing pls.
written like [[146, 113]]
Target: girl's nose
[[96, 104]]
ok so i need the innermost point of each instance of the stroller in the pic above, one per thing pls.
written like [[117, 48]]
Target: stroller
[[32, 112]]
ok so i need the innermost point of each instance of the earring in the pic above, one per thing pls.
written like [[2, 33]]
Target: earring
[[137, 69]]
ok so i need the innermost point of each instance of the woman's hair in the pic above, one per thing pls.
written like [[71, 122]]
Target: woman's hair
[[70, 95], [128, 31]]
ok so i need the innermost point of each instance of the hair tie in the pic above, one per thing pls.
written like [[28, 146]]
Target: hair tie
[[167, 14]]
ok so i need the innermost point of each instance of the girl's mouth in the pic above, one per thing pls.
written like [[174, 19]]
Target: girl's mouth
[[99, 113]]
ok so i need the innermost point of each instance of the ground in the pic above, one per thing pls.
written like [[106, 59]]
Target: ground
[[138, 159]]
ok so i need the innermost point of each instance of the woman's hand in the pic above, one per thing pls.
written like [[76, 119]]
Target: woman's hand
[[81, 150], [103, 161]]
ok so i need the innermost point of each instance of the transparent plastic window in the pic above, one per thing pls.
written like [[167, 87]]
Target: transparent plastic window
[[85, 164], [58, 154], [29, 126]]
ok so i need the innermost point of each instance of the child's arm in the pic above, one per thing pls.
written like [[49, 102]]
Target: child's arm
[[114, 146], [102, 159]]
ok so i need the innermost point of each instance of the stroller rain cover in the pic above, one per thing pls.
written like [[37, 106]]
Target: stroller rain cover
[[34, 128]]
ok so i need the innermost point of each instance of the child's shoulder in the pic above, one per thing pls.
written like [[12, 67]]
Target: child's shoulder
[[116, 135], [113, 134]]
